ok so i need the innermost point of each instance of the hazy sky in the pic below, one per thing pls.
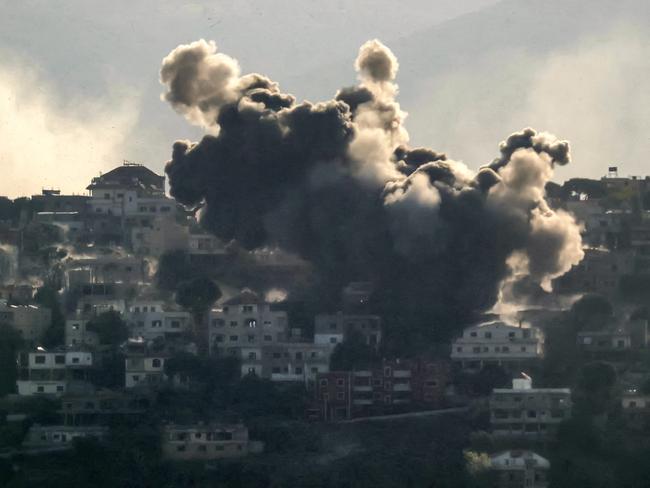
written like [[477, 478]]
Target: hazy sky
[[79, 87]]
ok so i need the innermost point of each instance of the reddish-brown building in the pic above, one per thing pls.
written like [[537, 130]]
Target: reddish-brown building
[[392, 387]]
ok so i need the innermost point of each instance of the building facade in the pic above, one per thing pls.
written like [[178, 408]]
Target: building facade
[[206, 442], [52, 372]]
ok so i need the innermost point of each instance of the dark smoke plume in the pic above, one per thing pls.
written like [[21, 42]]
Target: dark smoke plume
[[337, 184]]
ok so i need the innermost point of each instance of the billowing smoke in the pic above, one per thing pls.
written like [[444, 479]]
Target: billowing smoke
[[337, 183]]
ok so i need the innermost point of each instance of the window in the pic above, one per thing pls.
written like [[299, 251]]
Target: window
[[268, 338], [251, 338], [176, 324], [251, 370], [299, 355], [156, 323], [156, 363], [233, 323], [314, 369], [531, 414], [218, 322], [472, 334], [511, 335], [340, 395], [477, 349], [340, 382], [277, 355], [75, 360], [505, 349], [39, 359], [180, 448], [59, 387], [247, 308], [234, 338], [107, 196], [252, 323], [218, 448], [202, 448], [275, 369], [298, 370], [136, 378], [40, 389], [333, 340], [219, 338], [459, 349], [332, 325], [488, 335], [252, 355], [59, 359], [523, 348], [75, 326], [323, 383]]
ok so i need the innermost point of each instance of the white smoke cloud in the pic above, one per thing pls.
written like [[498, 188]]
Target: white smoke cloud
[[50, 142]]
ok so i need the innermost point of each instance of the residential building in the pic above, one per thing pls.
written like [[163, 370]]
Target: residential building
[[245, 320], [524, 411], [103, 406], [498, 343], [599, 272], [30, 321], [332, 329], [393, 386], [520, 469], [636, 409], [144, 365], [155, 319], [165, 234], [51, 436], [356, 296], [14, 293], [77, 333], [286, 361], [44, 372], [205, 249], [604, 341], [206, 442]]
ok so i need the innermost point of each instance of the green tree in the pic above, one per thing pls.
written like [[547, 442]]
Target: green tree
[[173, 268], [594, 393], [10, 344], [48, 297], [197, 296], [591, 312], [110, 328]]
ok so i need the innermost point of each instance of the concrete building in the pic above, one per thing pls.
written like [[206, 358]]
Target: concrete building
[[524, 411], [245, 320], [164, 235], [333, 329], [51, 436], [286, 361], [206, 442], [144, 365], [520, 469], [30, 321], [498, 343], [599, 272], [604, 341], [154, 319], [44, 372], [205, 250], [103, 406], [636, 409], [77, 333], [393, 386], [14, 293]]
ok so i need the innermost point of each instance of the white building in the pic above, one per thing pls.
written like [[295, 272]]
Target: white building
[[524, 411], [51, 372], [497, 343], [153, 319], [245, 321], [520, 469]]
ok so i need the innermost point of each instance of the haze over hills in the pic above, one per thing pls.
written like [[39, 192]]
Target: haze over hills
[[79, 81]]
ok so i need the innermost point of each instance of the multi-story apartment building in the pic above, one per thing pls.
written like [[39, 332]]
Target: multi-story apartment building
[[207, 441], [604, 341], [524, 411], [52, 436], [144, 364], [245, 320], [333, 329], [390, 387], [77, 333], [164, 235], [155, 319], [636, 409], [285, 361], [498, 343], [44, 372], [30, 321], [102, 406], [520, 469]]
